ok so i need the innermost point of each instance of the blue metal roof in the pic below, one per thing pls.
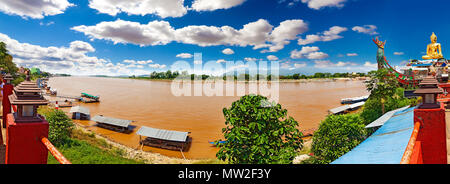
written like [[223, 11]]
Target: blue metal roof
[[386, 145]]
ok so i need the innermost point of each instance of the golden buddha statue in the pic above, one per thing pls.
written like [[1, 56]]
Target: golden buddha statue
[[434, 50]]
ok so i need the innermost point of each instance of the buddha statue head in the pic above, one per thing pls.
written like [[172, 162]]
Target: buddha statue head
[[433, 38]]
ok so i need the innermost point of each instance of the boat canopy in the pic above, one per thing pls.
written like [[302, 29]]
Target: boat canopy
[[169, 135], [89, 96], [79, 109], [111, 121]]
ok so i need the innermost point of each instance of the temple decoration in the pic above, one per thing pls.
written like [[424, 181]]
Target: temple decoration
[[383, 63], [380, 52]]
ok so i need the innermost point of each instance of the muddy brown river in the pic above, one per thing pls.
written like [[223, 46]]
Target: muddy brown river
[[151, 103]]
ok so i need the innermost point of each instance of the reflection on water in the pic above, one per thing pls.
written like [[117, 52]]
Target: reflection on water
[[151, 103]]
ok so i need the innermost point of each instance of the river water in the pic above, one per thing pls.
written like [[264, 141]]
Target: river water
[[151, 103]]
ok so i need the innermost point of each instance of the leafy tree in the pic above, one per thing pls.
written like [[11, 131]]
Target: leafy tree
[[6, 60], [259, 132], [381, 85], [60, 126], [337, 135], [168, 74]]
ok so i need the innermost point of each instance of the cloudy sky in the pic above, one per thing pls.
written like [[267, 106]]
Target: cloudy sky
[[126, 37]]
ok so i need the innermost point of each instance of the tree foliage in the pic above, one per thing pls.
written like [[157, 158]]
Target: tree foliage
[[257, 132], [337, 135], [60, 126], [372, 109], [6, 60], [381, 85]]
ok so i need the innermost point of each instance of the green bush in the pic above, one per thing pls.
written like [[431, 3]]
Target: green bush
[[259, 132], [60, 126], [372, 107], [337, 135]]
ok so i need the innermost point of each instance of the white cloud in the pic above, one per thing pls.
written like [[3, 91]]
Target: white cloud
[[57, 57], [144, 62], [287, 30], [352, 54], [162, 8], [157, 66], [329, 64], [317, 55], [133, 62], [250, 59], [71, 60], [398, 53], [287, 65], [120, 31], [272, 58], [295, 54], [329, 35], [184, 55], [370, 65], [366, 29], [129, 61], [81, 46], [258, 34], [308, 52], [299, 65], [46, 24], [211, 5], [221, 61], [35, 9], [318, 4], [227, 51]]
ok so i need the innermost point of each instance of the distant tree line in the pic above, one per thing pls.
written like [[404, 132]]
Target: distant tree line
[[169, 75], [320, 75]]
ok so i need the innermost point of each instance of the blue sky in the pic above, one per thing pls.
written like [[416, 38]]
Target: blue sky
[[126, 37]]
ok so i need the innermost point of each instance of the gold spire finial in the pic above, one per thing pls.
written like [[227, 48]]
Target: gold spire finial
[[433, 36]]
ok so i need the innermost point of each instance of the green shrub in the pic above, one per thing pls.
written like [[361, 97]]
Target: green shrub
[[372, 108], [337, 135], [60, 126], [256, 133]]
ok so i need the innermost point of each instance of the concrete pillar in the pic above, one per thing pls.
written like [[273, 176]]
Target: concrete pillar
[[432, 134], [23, 142]]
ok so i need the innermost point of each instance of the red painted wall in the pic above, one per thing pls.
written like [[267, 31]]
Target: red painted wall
[[7, 90], [23, 142], [432, 135]]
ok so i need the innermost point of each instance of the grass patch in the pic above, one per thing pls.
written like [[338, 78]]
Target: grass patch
[[82, 152], [85, 148]]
